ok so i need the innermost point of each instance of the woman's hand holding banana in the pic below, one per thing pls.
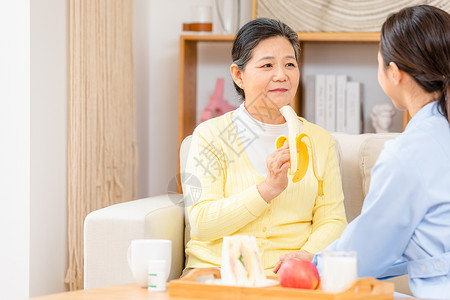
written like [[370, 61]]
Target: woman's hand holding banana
[[298, 150], [276, 179], [291, 157]]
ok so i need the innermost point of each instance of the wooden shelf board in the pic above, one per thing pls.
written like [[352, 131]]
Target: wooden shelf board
[[303, 37], [208, 37]]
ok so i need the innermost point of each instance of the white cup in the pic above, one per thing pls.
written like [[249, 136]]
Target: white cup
[[140, 252], [201, 14], [339, 270]]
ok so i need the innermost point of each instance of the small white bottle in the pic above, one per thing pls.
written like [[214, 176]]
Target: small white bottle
[[157, 275]]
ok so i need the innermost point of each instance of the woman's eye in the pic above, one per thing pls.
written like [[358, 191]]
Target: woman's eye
[[267, 65], [290, 65]]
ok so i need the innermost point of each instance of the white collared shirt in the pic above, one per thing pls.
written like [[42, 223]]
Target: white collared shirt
[[259, 138]]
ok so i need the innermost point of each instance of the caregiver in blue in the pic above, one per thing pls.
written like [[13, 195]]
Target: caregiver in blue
[[404, 226]]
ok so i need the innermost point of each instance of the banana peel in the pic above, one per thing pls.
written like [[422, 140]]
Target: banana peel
[[298, 150]]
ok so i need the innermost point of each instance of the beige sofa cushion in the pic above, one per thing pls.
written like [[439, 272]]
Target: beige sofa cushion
[[357, 155], [370, 149], [348, 151]]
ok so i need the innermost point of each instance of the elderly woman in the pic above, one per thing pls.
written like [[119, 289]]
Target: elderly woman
[[245, 186]]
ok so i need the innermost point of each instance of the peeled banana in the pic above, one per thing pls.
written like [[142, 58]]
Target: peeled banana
[[298, 150]]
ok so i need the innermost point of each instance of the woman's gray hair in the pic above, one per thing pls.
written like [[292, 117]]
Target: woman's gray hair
[[252, 33]]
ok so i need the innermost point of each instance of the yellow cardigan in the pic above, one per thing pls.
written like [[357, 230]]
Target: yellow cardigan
[[229, 203]]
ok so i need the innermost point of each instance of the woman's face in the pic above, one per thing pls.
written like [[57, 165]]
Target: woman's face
[[271, 72]]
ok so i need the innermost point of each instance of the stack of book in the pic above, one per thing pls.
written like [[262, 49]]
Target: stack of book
[[334, 102]]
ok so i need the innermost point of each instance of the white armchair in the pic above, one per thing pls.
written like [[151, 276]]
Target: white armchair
[[109, 231]]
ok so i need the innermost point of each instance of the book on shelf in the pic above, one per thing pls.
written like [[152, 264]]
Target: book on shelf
[[341, 94], [320, 100], [354, 114], [333, 102], [330, 102]]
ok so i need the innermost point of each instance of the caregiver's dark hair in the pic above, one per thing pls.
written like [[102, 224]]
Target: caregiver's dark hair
[[254, 32], [417, 39]]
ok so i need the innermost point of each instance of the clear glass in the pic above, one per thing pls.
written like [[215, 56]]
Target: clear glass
[[339, 270]]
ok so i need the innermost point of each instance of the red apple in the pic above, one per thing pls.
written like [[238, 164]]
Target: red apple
[[296, 273]]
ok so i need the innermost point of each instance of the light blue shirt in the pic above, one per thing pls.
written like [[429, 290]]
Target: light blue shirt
[[404, 226]]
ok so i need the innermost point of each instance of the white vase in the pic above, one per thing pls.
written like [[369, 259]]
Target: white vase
[[229, 15]]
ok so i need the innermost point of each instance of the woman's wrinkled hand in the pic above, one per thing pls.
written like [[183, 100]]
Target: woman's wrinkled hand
[[277, 169], [302, 254]]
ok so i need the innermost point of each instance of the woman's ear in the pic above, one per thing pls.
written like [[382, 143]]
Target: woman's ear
[[236, 74], [395, 73]]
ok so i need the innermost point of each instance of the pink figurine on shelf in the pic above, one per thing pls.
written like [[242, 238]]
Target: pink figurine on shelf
[[217, 105]]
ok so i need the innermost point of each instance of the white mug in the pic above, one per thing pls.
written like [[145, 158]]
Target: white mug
[[339, 270], [140, 252]]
